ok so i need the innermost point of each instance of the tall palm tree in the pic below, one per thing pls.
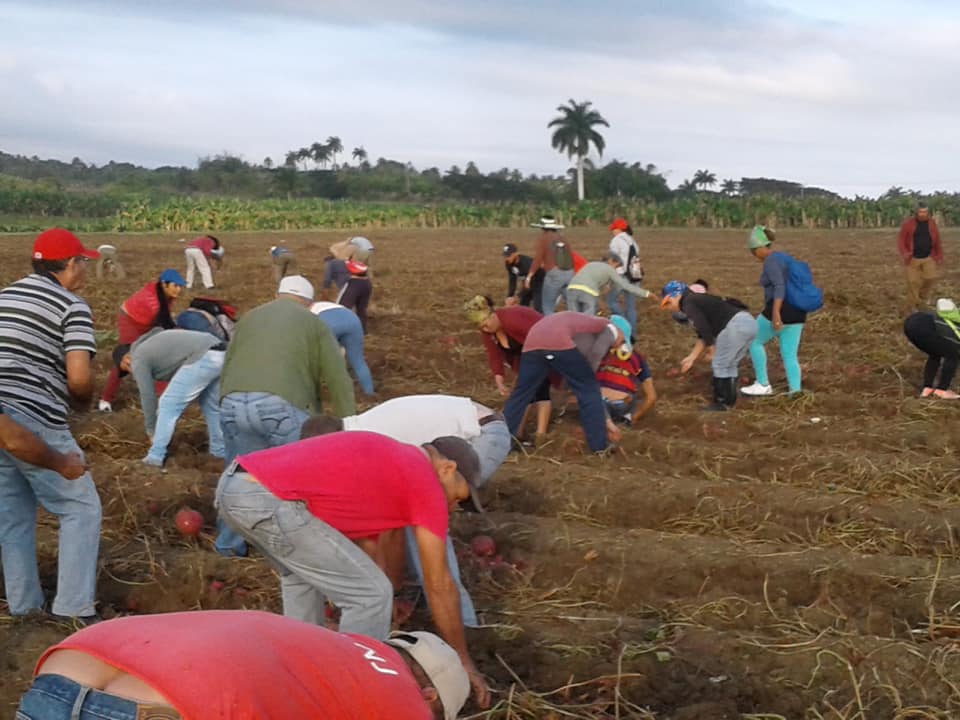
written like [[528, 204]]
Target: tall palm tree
[[290, 159], [304, 154], [730, 187], [359, 154], [334, 146], [320, 153], [574, 134], [704, 179]]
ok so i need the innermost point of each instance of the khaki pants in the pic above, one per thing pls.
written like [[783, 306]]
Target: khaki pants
[[921, 276], [283, 265]]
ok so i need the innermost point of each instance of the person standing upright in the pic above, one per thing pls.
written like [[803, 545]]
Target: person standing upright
[[555, 256], [626, 249], [46, 350], [921, 252]]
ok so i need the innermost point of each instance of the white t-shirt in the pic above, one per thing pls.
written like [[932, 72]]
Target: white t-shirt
[[418, 419], [321, 305]]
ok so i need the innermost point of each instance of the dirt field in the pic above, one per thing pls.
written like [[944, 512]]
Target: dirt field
[[792, 559]]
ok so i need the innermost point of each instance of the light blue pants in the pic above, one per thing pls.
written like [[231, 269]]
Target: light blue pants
[[732, 345], [253, 421], [348, 330], [625, 304], [315, 561], [554, 283], [199, 381], [789, 337], [77, 507], [582, 302]]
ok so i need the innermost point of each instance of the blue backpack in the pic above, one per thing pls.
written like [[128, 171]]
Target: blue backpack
[[801, 292]]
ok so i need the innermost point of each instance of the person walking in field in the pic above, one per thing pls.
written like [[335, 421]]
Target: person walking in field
[[277, 364], [151, 306], [724, 330], [938, 335], [625, 248], [255, 665], [554, 255], [503, 333], [337, 534], [109, 263], [779, 318], [584, 290], [921, 251], [355, 295], [571, 345], [284, 262], [190, 362], [518, 267], [200, 252], [46, 351], [348, 331], [626, 384]]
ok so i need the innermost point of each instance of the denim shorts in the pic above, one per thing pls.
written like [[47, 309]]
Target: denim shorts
[[55, 697]]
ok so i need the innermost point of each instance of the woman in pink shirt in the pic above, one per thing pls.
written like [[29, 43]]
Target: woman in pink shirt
[[198, 252]]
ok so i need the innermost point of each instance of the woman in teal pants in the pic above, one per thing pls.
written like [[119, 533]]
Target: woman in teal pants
[[778, 320]]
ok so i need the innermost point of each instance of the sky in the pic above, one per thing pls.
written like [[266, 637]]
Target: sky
[[850, 95]]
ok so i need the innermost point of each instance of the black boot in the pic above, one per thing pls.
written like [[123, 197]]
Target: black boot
[[719, 396], [730, 391]]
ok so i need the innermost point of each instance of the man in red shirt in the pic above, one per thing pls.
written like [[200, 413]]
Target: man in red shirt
[[330, 511], [922, 253], [242, 665]]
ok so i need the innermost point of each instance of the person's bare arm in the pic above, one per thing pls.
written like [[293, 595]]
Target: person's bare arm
[[79, 378], [649, 400], [690, 359], [24, 445], [444, 601]]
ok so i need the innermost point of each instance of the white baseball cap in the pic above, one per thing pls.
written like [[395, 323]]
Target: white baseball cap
[[441, 664], [296, 285]]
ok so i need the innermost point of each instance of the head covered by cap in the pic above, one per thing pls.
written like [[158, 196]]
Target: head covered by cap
[[618, 224], [468, 465], [440, 663], [672, 289], [172, 276], [758, 238]]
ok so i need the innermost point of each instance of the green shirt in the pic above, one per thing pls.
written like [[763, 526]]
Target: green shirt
[[282, 349], [594, 275]]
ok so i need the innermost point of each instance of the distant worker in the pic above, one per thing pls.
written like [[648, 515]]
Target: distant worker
[[109, 263], [255, 665], [921, 251], [348, 331], [335, 275], [585, 288], [938, 335], [555, 256], [627, 251], [284, 262], [355, 295], [518, 267], [200, 252], [151, 306]]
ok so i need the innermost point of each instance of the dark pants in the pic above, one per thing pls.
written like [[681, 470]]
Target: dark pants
[[356, 296], [943, 354], [533, 296], [536, 366]]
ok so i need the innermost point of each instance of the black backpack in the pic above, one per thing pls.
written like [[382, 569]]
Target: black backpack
[[209, 315]]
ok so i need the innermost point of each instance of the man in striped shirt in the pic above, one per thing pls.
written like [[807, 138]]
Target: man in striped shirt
[[46, 350]]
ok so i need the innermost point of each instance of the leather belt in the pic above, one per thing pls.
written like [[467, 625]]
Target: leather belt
[[492, 417]]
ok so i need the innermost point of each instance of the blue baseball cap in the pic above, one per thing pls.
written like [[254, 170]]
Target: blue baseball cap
[[674, 287], [172, 276], [622, 325]]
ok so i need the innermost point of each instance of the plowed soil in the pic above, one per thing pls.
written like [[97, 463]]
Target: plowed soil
[[795, 558]]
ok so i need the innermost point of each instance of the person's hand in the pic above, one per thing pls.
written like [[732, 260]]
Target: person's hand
[[686, 365], [512, 300], [777, 322], [711, 351], [72, 466], [526, 282], [614, 434], [652, 297], [478, 683], [503, 390]]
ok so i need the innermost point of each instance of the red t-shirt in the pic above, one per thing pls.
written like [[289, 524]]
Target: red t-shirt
[[203, 243], [249, 665], [359, 483]]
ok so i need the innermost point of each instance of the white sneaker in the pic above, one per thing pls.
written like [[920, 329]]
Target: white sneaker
[[104, 406], [756, 390]]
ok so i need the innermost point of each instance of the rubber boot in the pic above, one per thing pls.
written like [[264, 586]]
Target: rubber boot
[[719, 396], [730, 391]]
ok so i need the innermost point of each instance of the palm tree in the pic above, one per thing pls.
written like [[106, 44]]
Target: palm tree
[[267, 162], [730, 187], [290, 159], [359, 154], [320, 153], [704, 178], [334, 146], [687, 187], [304, 154], [575, 134]]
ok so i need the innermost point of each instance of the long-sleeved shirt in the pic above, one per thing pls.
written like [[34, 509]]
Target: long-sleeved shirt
[[592, 336], [544, 256], [142, 307], [905, 240], [773, 280], [519, 271], [594, 275], [709, 314], [157, 356], [515, 322], [279, 348], [335, 273]]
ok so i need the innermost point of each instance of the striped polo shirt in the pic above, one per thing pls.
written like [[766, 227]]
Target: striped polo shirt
[[40, 322]]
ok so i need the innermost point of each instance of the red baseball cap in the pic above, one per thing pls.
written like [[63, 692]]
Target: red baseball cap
[[60, 244], [618, 224]]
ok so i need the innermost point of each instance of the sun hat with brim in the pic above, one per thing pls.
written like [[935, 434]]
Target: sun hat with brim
[[672, 289], [758, 238], [618, 224], [548, 222], [60, 244], [296, 285], [477, 309], [468, 465], [440, 663], [172, 276]]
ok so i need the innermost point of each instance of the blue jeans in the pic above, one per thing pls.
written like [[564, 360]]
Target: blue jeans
[[535, 367], [314, 560], [348, 330], [253, 421], [492, 446], [77, 507], [620, 410], [554, 283], [199, 381], [467, 611], [55, 697], [625, 304]]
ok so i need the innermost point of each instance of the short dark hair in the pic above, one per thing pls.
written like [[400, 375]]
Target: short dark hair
[[320, 425], [48, 267]]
